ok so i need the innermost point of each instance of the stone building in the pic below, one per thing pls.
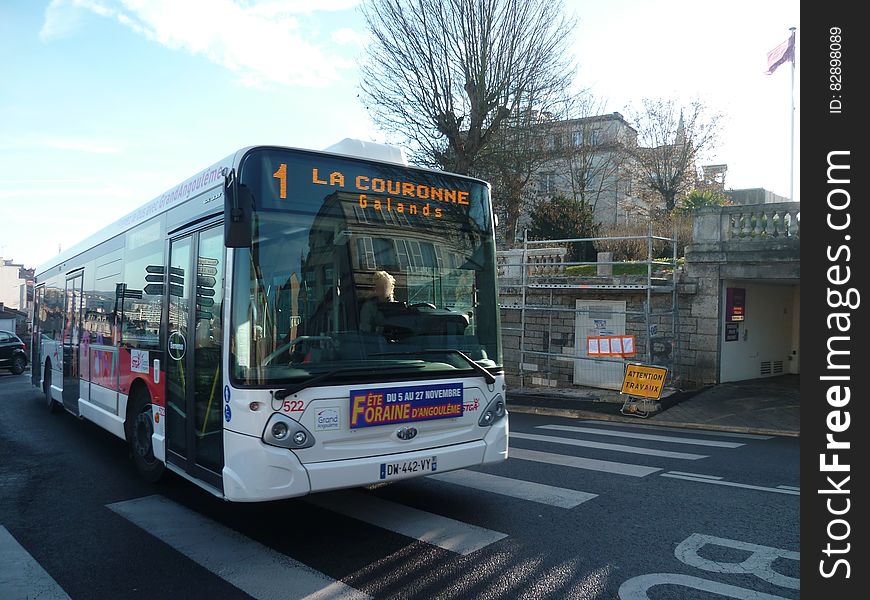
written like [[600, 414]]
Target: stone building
[[749, 196], [586, 160], [16, 286]]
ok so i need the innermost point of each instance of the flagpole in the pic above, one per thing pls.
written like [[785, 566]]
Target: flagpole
[[791, 173]]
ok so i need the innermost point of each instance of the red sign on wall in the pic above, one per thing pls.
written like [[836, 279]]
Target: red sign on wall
[[735, 305]]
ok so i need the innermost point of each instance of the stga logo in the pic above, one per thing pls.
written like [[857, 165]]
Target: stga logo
[[327, 419]]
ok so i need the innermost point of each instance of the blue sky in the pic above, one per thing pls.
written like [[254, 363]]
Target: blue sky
[[105, 104]]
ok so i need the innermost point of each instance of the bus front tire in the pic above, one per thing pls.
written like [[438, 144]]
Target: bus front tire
[[139, 428], [46, 388]]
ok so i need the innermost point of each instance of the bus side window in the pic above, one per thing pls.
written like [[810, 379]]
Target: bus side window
[[53, 311], [142, 309]]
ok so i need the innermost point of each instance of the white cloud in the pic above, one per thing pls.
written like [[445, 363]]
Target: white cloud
[[278, 7], [62, 17], [262, 42], [89, 146], [83, 193], [349, 37]]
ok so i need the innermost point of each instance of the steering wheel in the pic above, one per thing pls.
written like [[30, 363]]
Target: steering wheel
[[285, 348], [423, 305]]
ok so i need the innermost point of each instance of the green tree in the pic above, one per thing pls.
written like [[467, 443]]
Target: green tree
[[561, 218], [700, 198]]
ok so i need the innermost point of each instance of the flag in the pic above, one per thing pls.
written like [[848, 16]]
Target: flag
[[780, 54]]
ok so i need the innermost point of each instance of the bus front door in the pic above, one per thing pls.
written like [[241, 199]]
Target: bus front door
[[194, 391], [36, 337], [72, 324]]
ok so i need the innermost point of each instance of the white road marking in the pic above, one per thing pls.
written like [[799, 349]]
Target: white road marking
[[255, 569], [747, 436], [695, 475], [643, 436], [456, 536], [733, 484], [21, 576], [578, 462], [516, 488], [789, 487], [637, 588], [603, 446], [759, 562]]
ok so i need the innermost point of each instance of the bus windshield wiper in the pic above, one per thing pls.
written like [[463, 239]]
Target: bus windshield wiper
[[283, 393], [487, 375]]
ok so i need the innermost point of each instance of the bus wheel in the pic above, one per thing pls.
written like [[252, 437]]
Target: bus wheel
[[139, 428], [46, 388]]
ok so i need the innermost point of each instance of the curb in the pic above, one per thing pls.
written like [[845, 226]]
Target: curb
[[583, 414]]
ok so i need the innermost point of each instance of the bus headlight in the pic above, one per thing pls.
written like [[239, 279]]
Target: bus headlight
[[493, 412], [280, 430], [284, 432]]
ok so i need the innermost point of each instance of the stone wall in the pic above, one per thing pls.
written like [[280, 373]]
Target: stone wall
[[550, 331], [729, 243]]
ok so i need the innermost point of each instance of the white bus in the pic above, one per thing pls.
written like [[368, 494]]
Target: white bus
[[217, 328]]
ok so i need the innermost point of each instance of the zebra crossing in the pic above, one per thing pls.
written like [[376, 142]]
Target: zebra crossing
[[578, 462], [243, 562], [449, 534], [608, 446], [255, 569], [516, 488], [21, 575]]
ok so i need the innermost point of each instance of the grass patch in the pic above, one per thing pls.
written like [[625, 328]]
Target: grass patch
[[626, 268]]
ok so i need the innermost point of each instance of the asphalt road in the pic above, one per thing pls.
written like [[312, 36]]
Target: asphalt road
[[603, 510]]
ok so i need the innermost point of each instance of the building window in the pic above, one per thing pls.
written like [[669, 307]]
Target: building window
[[554, 142], [591, 137], [366, 253], [547, 183], [360, 215]]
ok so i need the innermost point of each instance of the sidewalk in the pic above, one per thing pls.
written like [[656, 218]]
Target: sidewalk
[[768, 406]]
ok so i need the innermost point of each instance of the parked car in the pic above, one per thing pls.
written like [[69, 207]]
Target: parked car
[[12, 354]]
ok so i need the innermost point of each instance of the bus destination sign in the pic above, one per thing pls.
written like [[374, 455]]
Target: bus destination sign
[[408, 195]]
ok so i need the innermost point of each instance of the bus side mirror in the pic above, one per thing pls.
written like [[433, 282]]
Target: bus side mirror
[[238, 207]]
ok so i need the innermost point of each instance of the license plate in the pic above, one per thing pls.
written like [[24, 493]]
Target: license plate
[[409, 468]]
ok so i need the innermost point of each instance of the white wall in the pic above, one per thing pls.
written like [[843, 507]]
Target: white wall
[[770, 331], [7, 325], [10, 285]]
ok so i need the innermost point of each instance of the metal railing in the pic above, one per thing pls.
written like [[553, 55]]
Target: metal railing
[[538, 272]]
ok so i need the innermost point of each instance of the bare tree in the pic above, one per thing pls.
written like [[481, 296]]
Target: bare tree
[[446, 74], [670, 139], [593, 155], [515, 154], [581, 149]]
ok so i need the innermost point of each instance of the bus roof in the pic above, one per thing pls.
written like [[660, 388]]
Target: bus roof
[[369, 150], [206, 179]]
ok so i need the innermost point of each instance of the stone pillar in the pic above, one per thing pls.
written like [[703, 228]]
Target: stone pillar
[[707, 225], [605, 268]]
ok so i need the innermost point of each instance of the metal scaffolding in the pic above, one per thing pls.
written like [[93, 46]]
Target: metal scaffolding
[[543, 276]]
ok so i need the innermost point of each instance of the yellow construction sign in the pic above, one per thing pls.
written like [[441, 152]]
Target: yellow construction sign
[[645, 381]]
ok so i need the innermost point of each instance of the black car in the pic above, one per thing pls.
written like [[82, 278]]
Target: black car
[[12, 354]]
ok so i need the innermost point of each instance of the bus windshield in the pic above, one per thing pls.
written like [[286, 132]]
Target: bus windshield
[[362, 269]]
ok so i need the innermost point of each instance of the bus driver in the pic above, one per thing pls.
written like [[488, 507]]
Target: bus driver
[[371, 318]]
